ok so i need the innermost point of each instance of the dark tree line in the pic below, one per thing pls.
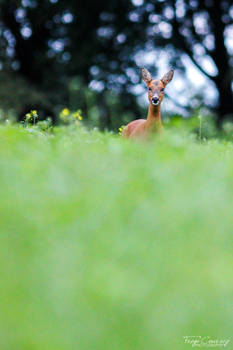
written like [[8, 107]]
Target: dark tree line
[[49, 42]]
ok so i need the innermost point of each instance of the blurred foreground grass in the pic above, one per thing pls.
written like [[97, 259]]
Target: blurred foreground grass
[[110, 244]]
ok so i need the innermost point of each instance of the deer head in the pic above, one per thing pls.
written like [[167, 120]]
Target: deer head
[[156, 87]]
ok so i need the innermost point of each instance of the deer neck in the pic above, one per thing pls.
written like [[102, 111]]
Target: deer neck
[[154, 117]]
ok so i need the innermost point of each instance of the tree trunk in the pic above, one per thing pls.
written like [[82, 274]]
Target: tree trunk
[[221, 59], [225, 107]]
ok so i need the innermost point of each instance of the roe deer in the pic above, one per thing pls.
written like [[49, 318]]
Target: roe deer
[[141, 128]]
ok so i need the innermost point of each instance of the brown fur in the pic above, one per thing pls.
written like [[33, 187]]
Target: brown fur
[[141, 128]]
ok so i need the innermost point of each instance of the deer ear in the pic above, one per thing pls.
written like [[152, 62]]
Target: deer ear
[[146, 76], [168, 77]]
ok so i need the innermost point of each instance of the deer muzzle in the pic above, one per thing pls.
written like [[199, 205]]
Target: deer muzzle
[[155, 101]]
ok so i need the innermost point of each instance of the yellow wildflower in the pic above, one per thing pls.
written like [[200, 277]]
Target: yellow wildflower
[[77, 115], [34, 113], [65, 112], [121, 129]]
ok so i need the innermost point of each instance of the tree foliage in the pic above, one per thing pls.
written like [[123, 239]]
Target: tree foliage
[[199, 29]]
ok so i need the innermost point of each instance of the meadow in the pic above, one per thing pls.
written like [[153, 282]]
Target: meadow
[[113, 244]]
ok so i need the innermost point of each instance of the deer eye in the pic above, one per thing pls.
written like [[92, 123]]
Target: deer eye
[[149, 89], [162, 90]]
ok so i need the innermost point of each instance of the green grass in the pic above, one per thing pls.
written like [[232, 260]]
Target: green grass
[[108, 244]]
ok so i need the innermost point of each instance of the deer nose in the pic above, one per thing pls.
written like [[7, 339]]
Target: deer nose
[[155, 100]]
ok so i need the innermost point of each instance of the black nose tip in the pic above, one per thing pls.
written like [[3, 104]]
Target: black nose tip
[[155, 100]]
